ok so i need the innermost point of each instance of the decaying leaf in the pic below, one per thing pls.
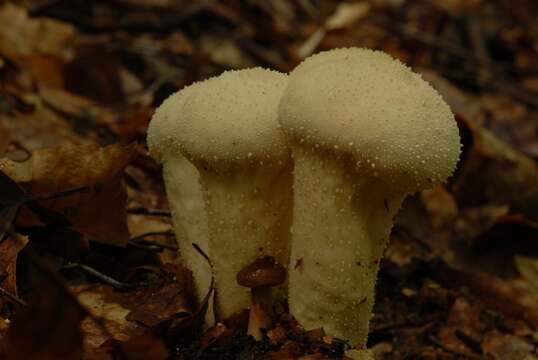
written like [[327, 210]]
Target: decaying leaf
[[4, 139], [49, 327], [511, 176], [35, 126], [139, 347], [110, 311], [9, 249], [11, 199], [100, 212], [501, 346], [21, 36]]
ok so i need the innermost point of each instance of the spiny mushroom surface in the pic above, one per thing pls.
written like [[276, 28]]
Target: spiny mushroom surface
[[183, 189], [228, 129], [365, 131]]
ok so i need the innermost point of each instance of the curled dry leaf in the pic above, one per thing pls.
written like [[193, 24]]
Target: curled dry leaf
[[100, 212]]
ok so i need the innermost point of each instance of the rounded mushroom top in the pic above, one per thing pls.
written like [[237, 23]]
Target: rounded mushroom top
[[372, 108], [163, 125], [231, 117], [265, 271]]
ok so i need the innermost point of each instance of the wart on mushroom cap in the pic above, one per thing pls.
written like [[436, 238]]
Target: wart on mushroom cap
[[365, 131], [228, 129]]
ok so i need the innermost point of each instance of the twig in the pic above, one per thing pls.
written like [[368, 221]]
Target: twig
[[63, 193], [436, 342], [12, 298], [138, 241], [149, 211], [105, 278]]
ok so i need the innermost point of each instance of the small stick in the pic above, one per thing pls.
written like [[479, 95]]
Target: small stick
[[138, 241], [105, 278], [12, 298], [140, 210], [63, 193]]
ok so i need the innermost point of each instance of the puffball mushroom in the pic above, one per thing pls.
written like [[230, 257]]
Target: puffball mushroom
[[184, 192], [365, 131], [227, 128]]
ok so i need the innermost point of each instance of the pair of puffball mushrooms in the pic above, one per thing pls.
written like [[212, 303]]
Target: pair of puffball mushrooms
[[308, 168]]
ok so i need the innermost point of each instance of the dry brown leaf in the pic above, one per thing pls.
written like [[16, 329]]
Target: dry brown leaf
[[508, 298], [38, 126], [139, 347], [113, 314], [491, 172], [9, 250], [506, 347], [100, 212], [49, 327], [4, 139], [21, 36], [69, 103]]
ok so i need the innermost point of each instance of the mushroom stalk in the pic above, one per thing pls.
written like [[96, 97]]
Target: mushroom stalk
[[259, 276], [343, 222], [260, 312]]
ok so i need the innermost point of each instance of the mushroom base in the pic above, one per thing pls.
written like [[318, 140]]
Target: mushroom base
[[342, 222], [249, 211]]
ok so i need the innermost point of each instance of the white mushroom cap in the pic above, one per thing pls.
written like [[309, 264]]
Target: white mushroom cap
[[163, 125], [223, 119], [372, 108]]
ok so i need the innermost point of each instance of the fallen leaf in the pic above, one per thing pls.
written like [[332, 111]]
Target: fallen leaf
[[491, 172], [9, 250], [11, 200], [140, 347], [35, 126], [100, 212], [498, 294], [507, 347], [21, 35], [111, 312], [49, 327], [4, 139]]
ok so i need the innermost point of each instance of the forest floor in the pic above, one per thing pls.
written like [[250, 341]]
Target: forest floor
[[87, 257]]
